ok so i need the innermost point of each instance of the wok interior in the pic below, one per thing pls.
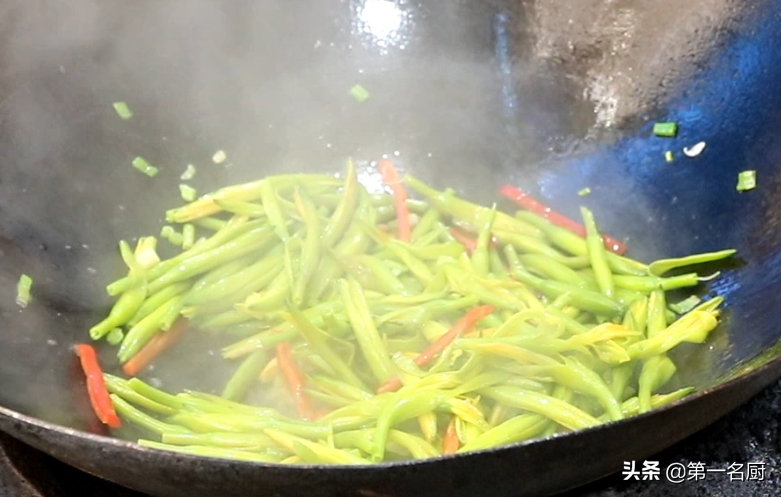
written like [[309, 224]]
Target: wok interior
[[200, 76]]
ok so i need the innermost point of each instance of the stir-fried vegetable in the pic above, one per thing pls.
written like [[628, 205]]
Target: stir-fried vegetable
[[189, 173], [554, 217], [747, 180], [666, 130], [187, 192], [359, 93], [360, 335], [122, 110], [145, 167], [23, 287], [96, 387]]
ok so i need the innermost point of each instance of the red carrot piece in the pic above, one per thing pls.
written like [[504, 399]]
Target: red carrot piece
[[451, 443], [391, 178], [390, 386], [469, 243], [528, 203], [467, 240], [462, 326], [96, 387], [155, 347], [295, 380]]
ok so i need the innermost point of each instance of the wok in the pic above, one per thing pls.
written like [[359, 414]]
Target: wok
[[468, 95]]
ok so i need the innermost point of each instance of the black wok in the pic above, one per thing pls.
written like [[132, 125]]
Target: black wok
[[468, 95]]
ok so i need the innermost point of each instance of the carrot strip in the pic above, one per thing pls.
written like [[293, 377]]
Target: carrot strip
[[155, 347], [391, 178], [469, 243], [96, 387], [295, 380], [467, 240], [390, 386], [463, 325], [528, 203], [450, 443]]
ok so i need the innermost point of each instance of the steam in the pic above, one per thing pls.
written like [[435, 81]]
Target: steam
[[268, 82]]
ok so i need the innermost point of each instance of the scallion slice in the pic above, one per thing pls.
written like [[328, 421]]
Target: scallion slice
[[188, 173], [122, 110], [219, 156], [23, 290], [359, 93], [145, 167], [747, 180], [666, 130], [188, 192]]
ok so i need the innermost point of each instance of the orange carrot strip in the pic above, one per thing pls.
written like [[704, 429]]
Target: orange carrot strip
[[391, 178], [467, 240], [450, 443], [294, 380], [528, 203], [96, 387], [463, 325], [469, 243], [390, 386], [155, 347]]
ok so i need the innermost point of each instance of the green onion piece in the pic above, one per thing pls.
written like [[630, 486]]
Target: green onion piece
[[686, 305], [666, 130], [23, 290], [115, 336], [188, 236], [122, 110], [145, 167], [167, 231], [188, 173], [747, 180], [359, 93], [176, 239], [584, 192], [188, 192], [668, 156], [219, 157]]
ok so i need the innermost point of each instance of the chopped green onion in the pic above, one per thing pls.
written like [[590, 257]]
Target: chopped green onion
[[176, 239], [219, 157], [188, 192], [359, 93], [584, 192], [145, 167], [668, 156], [115, 336], [173, 237], [188, 236], [188, 173], [122, 110], [23, 290], [747, 180], [686, 305], [666, 130]]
